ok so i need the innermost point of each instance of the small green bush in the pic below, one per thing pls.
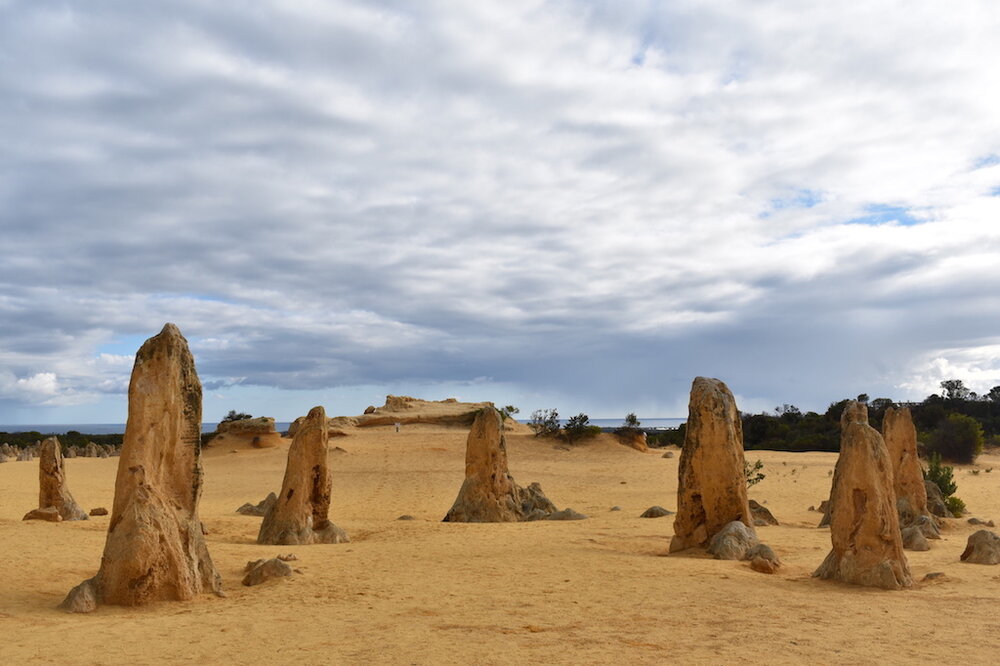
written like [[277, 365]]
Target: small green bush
[[753, 473], [508, 411], [955, 506], [233, 415], [940, 475], [578, 427]]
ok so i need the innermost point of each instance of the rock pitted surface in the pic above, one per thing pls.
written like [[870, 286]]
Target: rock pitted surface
[[52, 488], [864, 527], [301, 514], [489, 493], [983, 547], [155, 548], [712, 487]]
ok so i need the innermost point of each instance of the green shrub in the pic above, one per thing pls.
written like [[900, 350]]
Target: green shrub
[[508, 411], [940, 475], [545, 422], [753, 473], [955, 506], [958, 438], [578, 427], [233, 415]]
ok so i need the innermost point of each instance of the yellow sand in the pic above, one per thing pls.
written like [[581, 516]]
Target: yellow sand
[[424, 592]]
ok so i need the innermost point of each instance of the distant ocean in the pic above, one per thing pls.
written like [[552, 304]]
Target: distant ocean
[[280, 426], [102, 428]]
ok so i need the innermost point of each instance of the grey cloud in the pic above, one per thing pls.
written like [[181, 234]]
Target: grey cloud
[[385, 193]]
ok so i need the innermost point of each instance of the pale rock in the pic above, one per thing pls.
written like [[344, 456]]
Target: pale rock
[[733, 541]]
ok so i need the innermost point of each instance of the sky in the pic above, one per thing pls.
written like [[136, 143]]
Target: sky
[[552, 204]]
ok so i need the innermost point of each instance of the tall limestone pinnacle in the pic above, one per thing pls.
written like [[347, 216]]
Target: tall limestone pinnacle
[[908, 480], [301, 514], [864, 527], [489, 493], [155, 548], [712, 490]]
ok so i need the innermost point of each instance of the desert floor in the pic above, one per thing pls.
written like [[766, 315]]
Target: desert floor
[[425, 592]]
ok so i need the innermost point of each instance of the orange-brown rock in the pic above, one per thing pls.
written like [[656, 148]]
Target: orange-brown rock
[[49, 513], [633, 438], [155, 548], [712, 484], [908, 479], [52, 488], [864, 526], [301, 514], [489, 493]]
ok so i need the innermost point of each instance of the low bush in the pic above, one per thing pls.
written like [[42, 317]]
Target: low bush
[[545, 422]]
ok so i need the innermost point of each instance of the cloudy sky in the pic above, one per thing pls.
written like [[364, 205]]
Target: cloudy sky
[[569, 204]]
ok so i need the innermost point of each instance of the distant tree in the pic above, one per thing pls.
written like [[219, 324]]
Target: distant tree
[[789, 413], [631, 422], [958, 438], [862, 398], [994, 394], [954, 389], [233, 415], [545, 422]]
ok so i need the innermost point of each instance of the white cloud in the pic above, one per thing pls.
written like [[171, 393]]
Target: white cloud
[[348, 193]]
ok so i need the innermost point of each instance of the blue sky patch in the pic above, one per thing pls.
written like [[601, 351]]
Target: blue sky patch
[[986, 161], [124, 345], [879, 214]]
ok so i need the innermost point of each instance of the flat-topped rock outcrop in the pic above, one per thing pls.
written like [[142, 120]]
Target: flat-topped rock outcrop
[[712, 486], [155, 548], [864, 526], [257, 432], [405, 410], [301, 514]]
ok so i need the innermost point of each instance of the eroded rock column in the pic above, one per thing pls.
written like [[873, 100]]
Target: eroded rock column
[[712, 483], [155, 548], [864, 527], [301, 514]]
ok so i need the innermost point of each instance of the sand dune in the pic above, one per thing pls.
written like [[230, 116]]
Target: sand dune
[[427, 592]]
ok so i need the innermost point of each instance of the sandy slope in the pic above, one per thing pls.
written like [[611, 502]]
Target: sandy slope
[[426, 592]]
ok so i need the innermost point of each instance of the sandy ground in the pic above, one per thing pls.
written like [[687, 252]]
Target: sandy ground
[[424, 592]]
